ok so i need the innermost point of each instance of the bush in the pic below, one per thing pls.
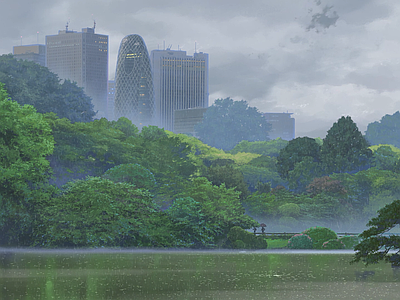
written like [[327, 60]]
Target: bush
[[242, 239], [289, 210], [333, 244], [319, 235], [350, 241], [300, 241]]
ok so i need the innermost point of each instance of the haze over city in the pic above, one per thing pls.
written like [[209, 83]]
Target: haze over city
[[317, 59]]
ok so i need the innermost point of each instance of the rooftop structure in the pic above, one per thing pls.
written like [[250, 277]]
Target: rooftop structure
[[35, 53]]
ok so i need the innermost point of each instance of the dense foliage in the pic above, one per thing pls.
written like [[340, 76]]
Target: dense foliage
[[25, 141], [376, 245], [228, 122], [344, 148], [300, 241], [320, 235], [30, 83], [385, 131], [155, 188], [239, 238]]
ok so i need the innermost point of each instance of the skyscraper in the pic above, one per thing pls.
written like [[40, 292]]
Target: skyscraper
[[81, 57], [180, 82], [111, 100], [283, 126], [35, 53], [133, 82]]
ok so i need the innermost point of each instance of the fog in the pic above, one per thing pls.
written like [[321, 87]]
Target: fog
[[319, 59]]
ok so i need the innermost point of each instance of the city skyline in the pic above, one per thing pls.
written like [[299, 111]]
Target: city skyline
[[319, 59], [134, 98], [81, 57], [180, 82]]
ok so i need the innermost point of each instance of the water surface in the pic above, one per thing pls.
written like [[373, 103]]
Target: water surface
[[114, 274]]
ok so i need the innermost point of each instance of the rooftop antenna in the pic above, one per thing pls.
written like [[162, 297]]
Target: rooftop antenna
[[94, 24], [66, 26], [37, 37]]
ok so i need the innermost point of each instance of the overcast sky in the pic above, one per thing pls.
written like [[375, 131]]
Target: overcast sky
[[319, 59]]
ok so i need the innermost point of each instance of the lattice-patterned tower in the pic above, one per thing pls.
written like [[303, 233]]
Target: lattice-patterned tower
[[133, 82]]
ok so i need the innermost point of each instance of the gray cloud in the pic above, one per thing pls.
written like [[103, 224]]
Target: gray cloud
[[260, 51]]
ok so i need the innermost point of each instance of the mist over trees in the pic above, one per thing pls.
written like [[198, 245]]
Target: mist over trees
[[385, 131], [228, 122], [29, 83], [100, 183]]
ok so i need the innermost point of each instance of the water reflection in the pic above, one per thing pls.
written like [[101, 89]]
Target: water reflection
[[192, 275]]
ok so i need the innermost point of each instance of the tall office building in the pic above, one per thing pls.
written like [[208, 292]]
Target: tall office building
[[283, 125], [133, 82], [180, 82], [35, 53], [81, 57]]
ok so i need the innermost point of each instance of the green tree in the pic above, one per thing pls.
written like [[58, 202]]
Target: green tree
[[221, 205], [228, 122], [228, 175], [30, 83], [344, 148], [384, 158], [133, 174], [386, 131], [97, 212], [90, 148], [269, 148], [295, 152], [193, 228], [25, 141], [375, 245]]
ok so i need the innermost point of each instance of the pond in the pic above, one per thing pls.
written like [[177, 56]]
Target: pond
[[267, 274]]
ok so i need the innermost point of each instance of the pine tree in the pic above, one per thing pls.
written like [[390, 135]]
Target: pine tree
[[344, 148]]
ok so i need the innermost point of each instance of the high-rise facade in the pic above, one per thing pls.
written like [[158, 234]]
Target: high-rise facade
[[133, 82], [81, 57], [35, 53], [282, 126], [180, 82], [111, 100]]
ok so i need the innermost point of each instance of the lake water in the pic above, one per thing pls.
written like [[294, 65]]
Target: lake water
[[269, 274]]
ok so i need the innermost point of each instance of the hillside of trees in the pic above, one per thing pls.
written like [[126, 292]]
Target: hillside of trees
[[70, 182]]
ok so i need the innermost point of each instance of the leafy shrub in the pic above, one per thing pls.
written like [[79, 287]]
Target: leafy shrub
[[242, 239], [239, 244], [350, 241], [300, 241], [134, 174], [333, 244], [319, 235], [289, 210]]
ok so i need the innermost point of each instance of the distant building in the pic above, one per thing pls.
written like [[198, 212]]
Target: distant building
[[81, 57], [133, 82], [35, 53], [180, 82], [111, 100], [283, 125], [186, 119]]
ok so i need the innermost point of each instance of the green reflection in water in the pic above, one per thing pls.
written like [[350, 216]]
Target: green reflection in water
[[191, 275]]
